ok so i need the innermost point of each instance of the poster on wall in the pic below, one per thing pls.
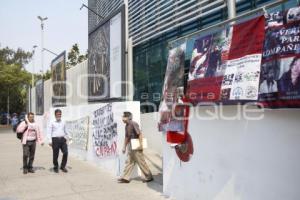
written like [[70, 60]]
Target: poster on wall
[[106, 59], [99, 62], [58, 76], [280, 76], [105, 133], [79, 131], [225, 66], [172, 90], [39, 91]]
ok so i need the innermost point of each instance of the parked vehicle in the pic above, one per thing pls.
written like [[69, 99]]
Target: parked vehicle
[[4, 118], [22, 116]]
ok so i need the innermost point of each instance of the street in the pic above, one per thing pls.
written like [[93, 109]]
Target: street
[[84, 181]]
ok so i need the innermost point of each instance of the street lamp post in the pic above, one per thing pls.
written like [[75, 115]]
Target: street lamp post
[[33, 65], [32, 78], [42, 19], [44, 49]]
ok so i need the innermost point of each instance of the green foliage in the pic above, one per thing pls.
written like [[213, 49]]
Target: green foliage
[[45, 76], [74, 56], [18, 57], [12, 75], [13, 78]]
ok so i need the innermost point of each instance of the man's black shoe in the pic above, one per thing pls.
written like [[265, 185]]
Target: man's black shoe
[[55, 170], [25, 171], [64, 170], [122, 180], [31, 171], [148, 180]]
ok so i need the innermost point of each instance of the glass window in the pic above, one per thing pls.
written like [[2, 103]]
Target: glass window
[[150, 58]]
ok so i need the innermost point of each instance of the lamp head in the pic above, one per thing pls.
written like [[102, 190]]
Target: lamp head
[[42, 19], [81, 6]]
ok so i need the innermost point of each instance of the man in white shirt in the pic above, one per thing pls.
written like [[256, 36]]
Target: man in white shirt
[[57, 137]]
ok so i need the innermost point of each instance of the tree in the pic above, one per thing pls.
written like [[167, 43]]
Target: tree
[[19, 57], [47, 75], [74, 56], [13, 79]]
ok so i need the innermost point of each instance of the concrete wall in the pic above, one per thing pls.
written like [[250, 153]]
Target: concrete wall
[[77, 88], [150, 131], [78, 107], [47, 95], [238, 159], [33, 100], [112, 164]]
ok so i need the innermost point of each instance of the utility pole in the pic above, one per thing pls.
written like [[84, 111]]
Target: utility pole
[[33, 70], [7, 108], [42, 19]]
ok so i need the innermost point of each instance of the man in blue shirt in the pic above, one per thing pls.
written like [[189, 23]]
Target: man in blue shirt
[[14, 122]]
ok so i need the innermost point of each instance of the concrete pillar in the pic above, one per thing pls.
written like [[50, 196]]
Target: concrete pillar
[[130, 86], [231, 7]]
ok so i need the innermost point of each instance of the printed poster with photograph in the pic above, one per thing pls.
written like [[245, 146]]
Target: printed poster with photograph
[[39, 91], [225, 66], [58, 76], [280, 70], [172, 90], [207, 66]]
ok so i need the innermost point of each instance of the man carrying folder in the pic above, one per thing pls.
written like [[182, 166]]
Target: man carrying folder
[[132, 131]]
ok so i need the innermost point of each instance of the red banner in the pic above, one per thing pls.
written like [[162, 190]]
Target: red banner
[[225, 66]]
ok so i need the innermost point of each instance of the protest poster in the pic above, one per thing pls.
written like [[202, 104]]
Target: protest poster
[[280, 77], [172, 89], [207, 66], [79, 132], [105, 133], [225, 65]]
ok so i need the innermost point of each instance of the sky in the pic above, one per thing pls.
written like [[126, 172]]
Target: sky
[[65, 26]]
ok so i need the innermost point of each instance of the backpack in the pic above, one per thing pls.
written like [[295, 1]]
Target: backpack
[[20, 134]]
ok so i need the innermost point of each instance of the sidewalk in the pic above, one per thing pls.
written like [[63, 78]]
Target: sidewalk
[[83, 182]]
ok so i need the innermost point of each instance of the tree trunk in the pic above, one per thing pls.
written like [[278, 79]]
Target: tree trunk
[[8, 108]]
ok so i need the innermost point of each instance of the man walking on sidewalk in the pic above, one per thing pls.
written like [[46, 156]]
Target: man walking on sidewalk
[[57, 137], [132, 131], [31, 135]]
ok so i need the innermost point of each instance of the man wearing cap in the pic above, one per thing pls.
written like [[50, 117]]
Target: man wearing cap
[[132, 131]]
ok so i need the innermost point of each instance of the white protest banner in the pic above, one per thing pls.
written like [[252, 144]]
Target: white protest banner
[[79, 131], [104, 132]]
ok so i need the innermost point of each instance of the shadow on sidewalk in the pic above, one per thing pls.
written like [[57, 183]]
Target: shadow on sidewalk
[[35, 169], [155, 185], [52, 169]]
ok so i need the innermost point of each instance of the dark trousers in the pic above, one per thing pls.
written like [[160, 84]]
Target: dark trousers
[[28, 154], [59, 143]]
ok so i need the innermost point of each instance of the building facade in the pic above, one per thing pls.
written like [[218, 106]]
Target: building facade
[[233, 157], [154, 24], [104, 8]]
